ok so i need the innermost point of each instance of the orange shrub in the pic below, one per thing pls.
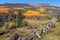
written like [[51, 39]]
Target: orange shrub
[[4, 10], [30, 13], [15, 12]]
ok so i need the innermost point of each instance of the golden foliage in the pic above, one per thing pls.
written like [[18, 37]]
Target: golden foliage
[[4, 10], [11, 25], [43, 15], [8, 25], [42, 9], [30, 13], [15, 12]]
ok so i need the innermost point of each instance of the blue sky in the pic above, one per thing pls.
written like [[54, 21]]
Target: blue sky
[[53, 2]]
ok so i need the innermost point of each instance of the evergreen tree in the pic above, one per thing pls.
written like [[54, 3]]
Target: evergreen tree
[[58, 18], [19, 18]]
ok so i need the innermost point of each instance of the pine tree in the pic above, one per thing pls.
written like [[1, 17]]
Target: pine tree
[[58, 18], [19, 18]]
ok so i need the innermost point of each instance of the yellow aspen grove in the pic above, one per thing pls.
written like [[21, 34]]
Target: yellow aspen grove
[[4, 10], [42, 9], [30, 13], [15, 12]]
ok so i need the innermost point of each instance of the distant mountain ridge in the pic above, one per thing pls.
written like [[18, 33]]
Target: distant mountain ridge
[[29, 5]]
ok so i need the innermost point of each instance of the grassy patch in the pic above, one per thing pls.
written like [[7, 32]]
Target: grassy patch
[[55, 35]]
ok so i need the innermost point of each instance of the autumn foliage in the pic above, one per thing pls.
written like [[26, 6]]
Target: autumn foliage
[[42, 9], [30, 13], [4, 10], [15, 12]]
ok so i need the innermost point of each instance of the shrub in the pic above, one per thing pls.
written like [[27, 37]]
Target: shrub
[[9, 25], [58, 18], [24, 23], [19, 19]]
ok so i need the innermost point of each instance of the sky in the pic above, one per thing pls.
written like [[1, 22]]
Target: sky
[[52, 2]]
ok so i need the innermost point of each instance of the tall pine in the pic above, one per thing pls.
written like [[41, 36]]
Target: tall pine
[[19, 19]]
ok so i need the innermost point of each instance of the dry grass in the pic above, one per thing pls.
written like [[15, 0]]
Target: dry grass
[[24, 31], [53, 36]]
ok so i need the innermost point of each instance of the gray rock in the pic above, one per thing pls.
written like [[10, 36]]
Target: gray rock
[[24, 38], [19, 38], [30, 36]]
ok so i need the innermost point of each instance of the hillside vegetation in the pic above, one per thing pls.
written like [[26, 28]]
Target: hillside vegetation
[[21, 21]]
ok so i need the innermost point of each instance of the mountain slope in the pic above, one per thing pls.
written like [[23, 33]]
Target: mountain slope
[[55, 10]]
